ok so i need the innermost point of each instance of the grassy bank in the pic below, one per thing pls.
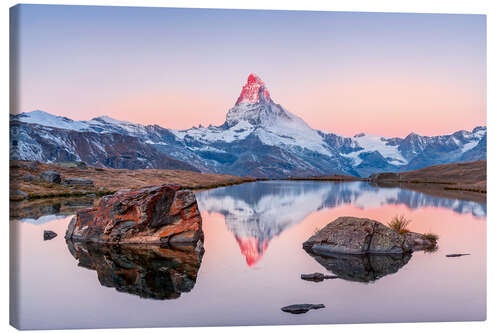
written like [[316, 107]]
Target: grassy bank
[[470, 176], [25, 177]]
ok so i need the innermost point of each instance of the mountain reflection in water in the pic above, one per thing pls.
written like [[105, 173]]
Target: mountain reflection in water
[[147, 271], [257, 212]]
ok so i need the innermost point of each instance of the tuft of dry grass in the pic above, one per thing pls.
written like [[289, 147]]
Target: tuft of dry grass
[[431, 237], [400, 223]]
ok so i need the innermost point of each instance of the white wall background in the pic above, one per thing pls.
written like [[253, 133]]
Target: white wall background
[[489, 7]]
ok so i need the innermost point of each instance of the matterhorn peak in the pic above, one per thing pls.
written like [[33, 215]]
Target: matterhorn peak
[[254, 91]]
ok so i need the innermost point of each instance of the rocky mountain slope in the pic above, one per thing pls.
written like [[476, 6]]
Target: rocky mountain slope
[[259, 138]]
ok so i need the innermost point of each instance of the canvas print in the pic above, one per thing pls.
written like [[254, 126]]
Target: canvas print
[[199, 167]]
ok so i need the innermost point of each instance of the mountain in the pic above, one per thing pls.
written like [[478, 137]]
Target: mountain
[[259, 138], [67, 140]]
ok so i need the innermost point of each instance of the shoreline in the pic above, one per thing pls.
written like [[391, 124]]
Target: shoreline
[[98, 194], [27, 185], [80, 193], [68, 204]]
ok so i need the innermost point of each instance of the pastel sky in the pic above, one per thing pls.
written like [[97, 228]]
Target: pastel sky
[[386, 74]]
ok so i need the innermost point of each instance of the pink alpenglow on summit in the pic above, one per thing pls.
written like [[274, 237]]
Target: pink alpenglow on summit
[[251, 91]]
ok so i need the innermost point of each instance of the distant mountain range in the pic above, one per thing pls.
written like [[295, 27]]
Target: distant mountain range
[[259, 138]]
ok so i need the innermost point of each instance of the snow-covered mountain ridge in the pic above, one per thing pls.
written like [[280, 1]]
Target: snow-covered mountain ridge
[[259, 138]]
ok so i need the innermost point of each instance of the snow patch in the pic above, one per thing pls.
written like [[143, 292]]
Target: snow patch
[[372, 143]]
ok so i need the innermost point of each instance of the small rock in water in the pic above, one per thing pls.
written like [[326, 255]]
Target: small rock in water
[[301, 308], [453, 255], [48, 235], [317, 277]]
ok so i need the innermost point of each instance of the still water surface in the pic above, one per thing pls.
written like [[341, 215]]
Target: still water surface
[[252, 264]]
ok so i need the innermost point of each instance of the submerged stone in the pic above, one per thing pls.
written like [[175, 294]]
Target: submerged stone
[[301, 308], [48, 235], [317, 277]]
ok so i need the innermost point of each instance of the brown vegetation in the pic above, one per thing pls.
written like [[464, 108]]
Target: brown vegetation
[[431, 237], [469, 176], [400, 223], [106, 180]]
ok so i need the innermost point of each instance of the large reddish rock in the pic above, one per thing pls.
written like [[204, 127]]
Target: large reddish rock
[[164, 214]]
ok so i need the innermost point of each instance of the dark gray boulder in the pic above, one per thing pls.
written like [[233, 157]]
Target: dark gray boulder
[[79, 182], [51, 176], [28, 177], [352, 235], [301, 308]]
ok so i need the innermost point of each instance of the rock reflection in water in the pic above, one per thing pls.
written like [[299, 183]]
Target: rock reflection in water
[[146, 271], [362, 268]]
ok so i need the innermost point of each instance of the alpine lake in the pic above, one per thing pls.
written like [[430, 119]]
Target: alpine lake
[[252, 263]]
